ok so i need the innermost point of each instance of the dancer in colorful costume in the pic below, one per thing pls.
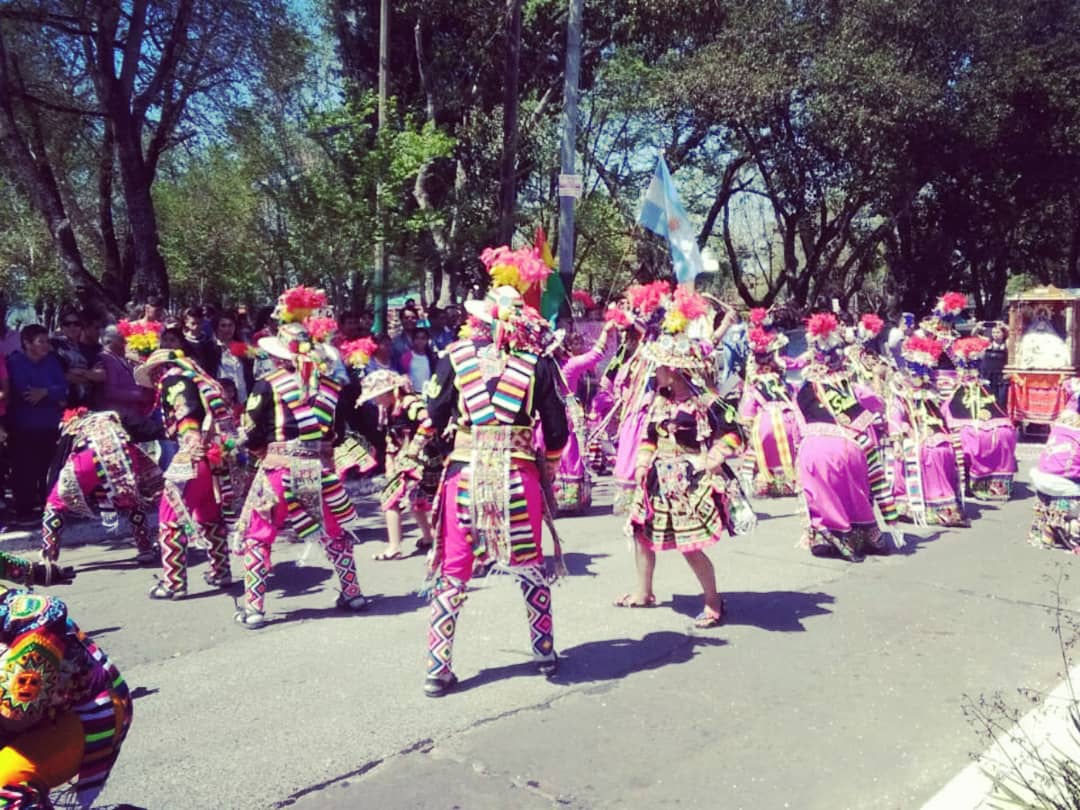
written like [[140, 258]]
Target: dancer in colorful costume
[[494, 385], [768, 411], [64, 708], [867, 366], [940, 325], [1056, 480], [634, 390], [204, 482], [353, 453], [414, 462], [573, 484], [987, 435], [603, 427], [100, 470], [928, 459], [682, 501], [839, 459], [289, 424]]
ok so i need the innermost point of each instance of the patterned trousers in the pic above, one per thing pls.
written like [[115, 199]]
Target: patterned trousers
[[449, 597], [257, 569], [189, 511], [53, 520]]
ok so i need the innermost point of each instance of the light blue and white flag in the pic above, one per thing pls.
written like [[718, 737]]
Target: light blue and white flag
[[663, 214]]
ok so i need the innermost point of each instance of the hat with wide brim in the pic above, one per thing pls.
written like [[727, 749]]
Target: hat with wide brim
[[291, 340], [499, 303], [676, 351], [381, 382], [158, 358]]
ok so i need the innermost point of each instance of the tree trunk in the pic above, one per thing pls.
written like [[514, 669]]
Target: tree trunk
[[112, 277], [37, 179], [150, 276]]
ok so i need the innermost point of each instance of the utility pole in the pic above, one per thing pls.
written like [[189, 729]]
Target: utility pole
[[508, 179], [569, 144], [380, 321]]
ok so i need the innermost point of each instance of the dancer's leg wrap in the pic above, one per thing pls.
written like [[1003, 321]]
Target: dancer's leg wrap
[[537, 595], [256, 574], [340, 554], [218, 549], [173, 541], [446, 604], [52, 528], [140, 532]]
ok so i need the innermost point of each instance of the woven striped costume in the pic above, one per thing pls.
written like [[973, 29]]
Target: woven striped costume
[[296, 486], [767, 409], [100, 469], [414, 466], [204, 483], [927, 458], [491, 502], [840, 468], [64, 708]]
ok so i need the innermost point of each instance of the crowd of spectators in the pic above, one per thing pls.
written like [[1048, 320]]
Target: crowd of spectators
[[88, 363]]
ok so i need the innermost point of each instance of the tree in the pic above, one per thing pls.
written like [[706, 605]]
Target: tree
[[148, 76]]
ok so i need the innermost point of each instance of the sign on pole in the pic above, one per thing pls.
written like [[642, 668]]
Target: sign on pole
[[570, 185]]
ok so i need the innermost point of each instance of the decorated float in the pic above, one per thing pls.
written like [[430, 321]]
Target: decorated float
[[1044, 351]]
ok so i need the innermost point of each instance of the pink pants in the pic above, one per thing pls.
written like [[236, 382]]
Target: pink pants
[[263, 530], [199, 498], [458, 557]]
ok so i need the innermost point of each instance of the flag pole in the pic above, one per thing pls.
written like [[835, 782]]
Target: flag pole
[[567, 151]]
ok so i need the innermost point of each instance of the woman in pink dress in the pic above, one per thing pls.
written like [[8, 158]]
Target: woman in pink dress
[[839, 460], [768, 410], [987, 435], [573, 484], [1056, 480], [928, 461]]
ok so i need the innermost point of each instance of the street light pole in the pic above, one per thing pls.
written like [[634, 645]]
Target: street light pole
[[380, 324], [569, 144]]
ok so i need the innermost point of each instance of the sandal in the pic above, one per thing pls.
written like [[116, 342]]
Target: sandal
[[627, 601], [707, 619], [387, 556]]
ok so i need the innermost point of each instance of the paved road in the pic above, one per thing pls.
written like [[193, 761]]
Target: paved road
[[831, 686]]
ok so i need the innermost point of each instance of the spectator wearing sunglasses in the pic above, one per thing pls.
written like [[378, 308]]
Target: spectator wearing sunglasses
[[76, 368]]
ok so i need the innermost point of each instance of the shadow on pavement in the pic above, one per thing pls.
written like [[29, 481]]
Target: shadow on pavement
[[776, 611], [912, 542], [116, 565], [393, 605], [289, 578], [378, 606], [577, 563], [1021, 491], [102, 631], [142, 691], [605, 660]]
